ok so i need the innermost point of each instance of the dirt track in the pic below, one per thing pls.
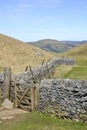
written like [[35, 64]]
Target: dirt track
[[8, 114]]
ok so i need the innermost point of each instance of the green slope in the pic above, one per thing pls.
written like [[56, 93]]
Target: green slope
[[80, 55]]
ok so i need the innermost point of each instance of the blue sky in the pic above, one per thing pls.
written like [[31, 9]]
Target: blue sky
[[32, 20]]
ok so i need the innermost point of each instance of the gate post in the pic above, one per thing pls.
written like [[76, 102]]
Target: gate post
[[34, 90], [36, 96], [7, 80], [32, 98]]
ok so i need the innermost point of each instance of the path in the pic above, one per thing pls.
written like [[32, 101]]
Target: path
[[8, 114]]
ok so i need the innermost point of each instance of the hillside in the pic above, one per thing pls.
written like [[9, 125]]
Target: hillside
[[80, 55], [53, 45], [80, 50], [17, 55]]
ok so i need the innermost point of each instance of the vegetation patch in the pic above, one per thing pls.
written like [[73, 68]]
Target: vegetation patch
[[60, 71], [37, 121], [77, 73]]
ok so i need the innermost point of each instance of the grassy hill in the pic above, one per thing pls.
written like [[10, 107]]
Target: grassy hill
[[79, 53], [80, 50], [51, 45], [17, 55]]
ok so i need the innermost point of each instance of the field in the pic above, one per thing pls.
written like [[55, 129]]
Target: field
[[79, 71], [37, 121]]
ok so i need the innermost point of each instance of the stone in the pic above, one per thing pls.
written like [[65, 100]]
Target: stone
[[7, 117], [7, 104], [69, 95]]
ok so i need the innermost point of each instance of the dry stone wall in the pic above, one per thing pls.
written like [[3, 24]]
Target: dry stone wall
[[64, 98], [36, 75], [43, 71]]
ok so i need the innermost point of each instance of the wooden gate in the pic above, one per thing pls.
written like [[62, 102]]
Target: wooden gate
[[26, 98]]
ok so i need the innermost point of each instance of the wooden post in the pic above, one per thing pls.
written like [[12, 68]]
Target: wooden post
[[32, 98], [7, 80], [15, 95], [26, 69], [36, 96], [42, 62], [0, 96]]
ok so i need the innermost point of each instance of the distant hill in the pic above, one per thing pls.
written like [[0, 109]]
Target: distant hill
[[17, 54], [51, 45], [75, 42], [80, 50]]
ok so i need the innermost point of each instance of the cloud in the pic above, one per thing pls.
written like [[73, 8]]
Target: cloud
[[49, 1], [17, 11], [27, 4], [21, 6], [22, 14], [46, 3]]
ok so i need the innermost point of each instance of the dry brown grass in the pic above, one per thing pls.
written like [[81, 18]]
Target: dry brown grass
[[80, 50], [17, 55]]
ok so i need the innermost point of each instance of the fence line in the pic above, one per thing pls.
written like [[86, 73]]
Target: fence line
[[31, 78]]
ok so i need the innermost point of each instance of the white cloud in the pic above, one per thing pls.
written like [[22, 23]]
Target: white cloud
[[49, 1]]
